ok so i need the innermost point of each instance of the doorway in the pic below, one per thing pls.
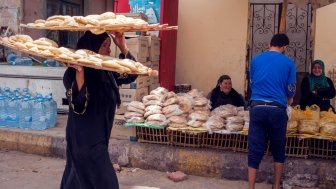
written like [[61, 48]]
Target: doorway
[[264, 21]]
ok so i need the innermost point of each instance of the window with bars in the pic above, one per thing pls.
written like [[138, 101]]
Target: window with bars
[[72, 8]]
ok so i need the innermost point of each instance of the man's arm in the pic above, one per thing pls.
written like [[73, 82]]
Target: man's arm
[[290, 101]]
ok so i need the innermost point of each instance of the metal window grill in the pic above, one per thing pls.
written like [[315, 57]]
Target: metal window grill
[[182, 88]]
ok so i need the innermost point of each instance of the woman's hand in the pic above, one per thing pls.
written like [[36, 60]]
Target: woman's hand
[[79, 74], [78, 68], [119, 39]]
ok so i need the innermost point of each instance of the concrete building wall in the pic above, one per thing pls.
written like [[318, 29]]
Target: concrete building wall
[[325, 40], [211, 41], [10, 14], [97, 6], [32, 10]]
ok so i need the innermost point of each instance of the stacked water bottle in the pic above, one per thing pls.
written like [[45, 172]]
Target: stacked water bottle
[[20, 109], [15, 60]]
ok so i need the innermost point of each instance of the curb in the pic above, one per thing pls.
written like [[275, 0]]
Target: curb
[[194, 161]]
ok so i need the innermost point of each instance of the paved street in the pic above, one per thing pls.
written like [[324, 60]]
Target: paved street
[[27, 171]]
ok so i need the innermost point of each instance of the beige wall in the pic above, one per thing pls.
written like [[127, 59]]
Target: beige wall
[[211, 41], [325, 39]]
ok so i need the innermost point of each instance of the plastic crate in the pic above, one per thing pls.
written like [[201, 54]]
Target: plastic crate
[[186, 139], [242, 144], [322, 148], [297, 146], [182, 88], [220, 141], [152, 135]]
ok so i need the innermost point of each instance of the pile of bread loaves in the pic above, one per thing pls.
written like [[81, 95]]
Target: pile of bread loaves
[[182, 111], [49, 49], [228, 118], [99, 23]]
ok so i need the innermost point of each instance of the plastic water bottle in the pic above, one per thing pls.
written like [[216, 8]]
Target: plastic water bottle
[[13, 113], [47, 104], [54, 111], [25, 118], [3, 111], [25, 92], [53, 106], [27, 61], [11, 58], [50, 62], [39, 120]]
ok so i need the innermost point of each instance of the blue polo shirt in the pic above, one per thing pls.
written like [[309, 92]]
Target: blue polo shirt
[[272, 77]]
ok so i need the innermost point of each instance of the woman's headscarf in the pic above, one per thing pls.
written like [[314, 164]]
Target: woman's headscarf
[[99, 82], [317, 81], [216, 91], [91, 41]]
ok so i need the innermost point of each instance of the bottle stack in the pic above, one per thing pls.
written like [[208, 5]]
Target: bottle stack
[[20, 109]]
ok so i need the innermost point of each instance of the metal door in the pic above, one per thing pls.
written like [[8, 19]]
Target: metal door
[[264, 23]]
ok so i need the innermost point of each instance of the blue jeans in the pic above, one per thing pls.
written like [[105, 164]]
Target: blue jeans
[[266, 123]]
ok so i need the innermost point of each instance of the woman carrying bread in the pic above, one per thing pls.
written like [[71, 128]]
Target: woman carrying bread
[[316, 88], [223, 94], [93, 96]]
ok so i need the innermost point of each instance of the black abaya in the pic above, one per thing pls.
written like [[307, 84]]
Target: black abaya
[[89, 125]]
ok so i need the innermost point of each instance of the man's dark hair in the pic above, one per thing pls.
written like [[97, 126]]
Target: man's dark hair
[[279, 40]]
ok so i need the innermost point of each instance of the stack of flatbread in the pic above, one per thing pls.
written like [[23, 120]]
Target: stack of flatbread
[[135, 112], [47, 48], [96, 23], [153, 109]]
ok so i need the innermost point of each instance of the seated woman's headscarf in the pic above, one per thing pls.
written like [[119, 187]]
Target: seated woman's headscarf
[[216, 91], [317, 81]]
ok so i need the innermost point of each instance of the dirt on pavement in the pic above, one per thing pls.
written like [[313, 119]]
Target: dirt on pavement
[[26, 171]]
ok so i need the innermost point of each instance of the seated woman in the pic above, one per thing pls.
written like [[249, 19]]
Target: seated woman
[[223, 94], [316, 88]]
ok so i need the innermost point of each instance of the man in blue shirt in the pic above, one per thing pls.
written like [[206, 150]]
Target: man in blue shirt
[[273, 79]]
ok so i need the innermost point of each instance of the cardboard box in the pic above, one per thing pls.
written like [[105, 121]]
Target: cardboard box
[[154, 80], [152, 56], [154, 48], [128, 95], [138, 46], [119, 131], [147, 64], [155, 65], [121, 109], [140, 82], [153, 86]]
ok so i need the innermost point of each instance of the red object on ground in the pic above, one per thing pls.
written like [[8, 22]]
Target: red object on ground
[[177, 176]]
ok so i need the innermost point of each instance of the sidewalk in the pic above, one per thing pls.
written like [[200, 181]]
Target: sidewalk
[[29, 171], [194, 161]]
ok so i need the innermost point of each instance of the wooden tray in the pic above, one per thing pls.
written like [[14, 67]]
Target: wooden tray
[[110, 28], [154, 72]]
